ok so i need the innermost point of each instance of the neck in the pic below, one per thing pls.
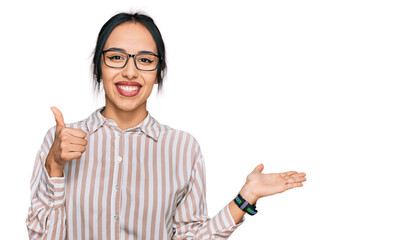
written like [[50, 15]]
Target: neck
[[125, 119]]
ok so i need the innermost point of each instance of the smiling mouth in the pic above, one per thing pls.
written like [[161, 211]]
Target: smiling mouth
[[128, 89]]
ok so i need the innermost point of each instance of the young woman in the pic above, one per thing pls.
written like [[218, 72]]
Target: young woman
[[120, 174]]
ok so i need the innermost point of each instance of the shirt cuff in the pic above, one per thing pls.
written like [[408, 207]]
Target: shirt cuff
[[223, 222], [51, 190], [230, 218]]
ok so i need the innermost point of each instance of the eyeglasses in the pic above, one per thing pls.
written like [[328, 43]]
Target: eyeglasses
[[145, 61]]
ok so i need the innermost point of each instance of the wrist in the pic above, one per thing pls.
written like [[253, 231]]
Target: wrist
[[248, 194], [245, 205], [53, 168]]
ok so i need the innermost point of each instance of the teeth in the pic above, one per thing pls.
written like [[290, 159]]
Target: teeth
[[128, 88]]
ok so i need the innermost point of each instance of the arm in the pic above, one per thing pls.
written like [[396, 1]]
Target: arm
[[191, 220], [46, 216]]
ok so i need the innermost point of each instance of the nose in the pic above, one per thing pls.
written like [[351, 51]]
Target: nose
[[130, 71]]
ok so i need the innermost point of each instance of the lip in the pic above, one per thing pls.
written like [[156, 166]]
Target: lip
[[127, 83]]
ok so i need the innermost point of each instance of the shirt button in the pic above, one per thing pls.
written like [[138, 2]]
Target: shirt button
[[116, 218], [117, 187], [50, 202], [119, 159]]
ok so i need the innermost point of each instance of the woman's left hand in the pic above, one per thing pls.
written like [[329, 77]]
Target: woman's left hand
[[260, 184]]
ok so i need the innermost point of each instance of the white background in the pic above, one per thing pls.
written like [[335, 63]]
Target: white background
[[324, 87]]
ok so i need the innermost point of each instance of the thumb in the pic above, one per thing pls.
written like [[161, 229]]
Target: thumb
[[259, 168], [58, 117]]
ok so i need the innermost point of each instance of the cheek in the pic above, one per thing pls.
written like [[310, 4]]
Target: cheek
[[108, 74], [107, 81], [150, 77]]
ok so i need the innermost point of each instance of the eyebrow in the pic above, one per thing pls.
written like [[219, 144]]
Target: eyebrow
[[123, 50]]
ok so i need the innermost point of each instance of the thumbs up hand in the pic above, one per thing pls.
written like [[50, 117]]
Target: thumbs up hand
[[69, 144], [260, 184]]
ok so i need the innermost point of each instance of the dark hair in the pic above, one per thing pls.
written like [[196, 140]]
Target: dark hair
[[106, 31]]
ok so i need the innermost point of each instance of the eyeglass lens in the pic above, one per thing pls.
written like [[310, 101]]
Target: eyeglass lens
[[143, 61]]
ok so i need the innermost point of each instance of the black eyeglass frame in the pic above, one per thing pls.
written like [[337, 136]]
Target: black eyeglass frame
[[133, 56]]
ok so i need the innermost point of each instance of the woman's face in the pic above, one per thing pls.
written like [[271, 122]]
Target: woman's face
[[127, 89]]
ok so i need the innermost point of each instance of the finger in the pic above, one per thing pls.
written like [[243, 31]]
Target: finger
[[75, 148], [58, 117], [295, 178], [75, 132], [77, 140], [293, 185], [259, 168], [301, 174], [73, 155], [290, 180], [300, 177], [285, 174], [69, 139]]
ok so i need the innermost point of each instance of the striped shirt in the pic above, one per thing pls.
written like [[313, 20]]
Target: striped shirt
[[146, 182]]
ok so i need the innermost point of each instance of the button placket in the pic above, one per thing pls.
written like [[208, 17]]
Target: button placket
[[119, 167]]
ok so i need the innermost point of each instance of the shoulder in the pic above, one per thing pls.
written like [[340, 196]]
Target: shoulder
[[166, 130], [178, 137]]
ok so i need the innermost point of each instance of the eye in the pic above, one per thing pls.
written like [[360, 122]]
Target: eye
[[145, 60], [115, 57]]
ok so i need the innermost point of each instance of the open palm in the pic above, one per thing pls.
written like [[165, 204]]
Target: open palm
[[260, 184]]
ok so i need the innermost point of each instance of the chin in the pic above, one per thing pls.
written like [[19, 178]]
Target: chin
[[125, 105], [128, 107]]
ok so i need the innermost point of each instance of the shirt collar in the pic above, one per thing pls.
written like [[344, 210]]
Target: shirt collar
[[150, 126]]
